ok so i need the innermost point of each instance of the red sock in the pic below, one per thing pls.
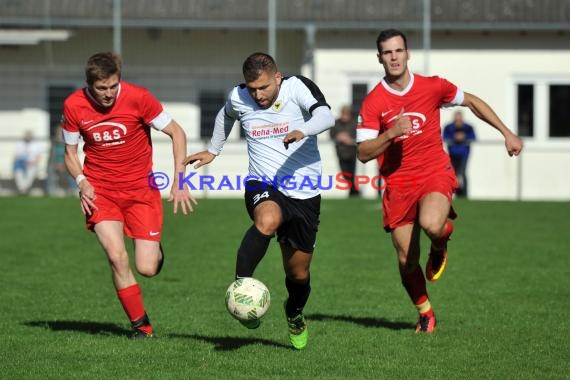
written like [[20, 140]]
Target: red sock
[[131, 299], [440, 243], [415, 284]]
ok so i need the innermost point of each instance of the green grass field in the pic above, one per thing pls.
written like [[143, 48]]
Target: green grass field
[[502, 304]]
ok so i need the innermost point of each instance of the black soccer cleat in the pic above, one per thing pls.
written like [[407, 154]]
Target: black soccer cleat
[[140, 334]]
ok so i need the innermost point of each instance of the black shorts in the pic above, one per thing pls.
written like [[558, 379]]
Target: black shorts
[[300, 216]]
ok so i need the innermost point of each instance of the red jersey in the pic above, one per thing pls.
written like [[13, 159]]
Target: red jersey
[[118, 147], [419, 152]]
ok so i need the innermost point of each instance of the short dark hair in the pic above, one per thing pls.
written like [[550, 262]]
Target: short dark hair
[[102, 66], [387, 34], [256, 64]]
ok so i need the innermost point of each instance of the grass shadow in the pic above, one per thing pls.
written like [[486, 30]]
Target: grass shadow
[[88, 327], [229, 343], [363, 321]]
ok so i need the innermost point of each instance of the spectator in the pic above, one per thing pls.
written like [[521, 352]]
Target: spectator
[[59, 182], [344, 136], [26, 160], [458, 136]]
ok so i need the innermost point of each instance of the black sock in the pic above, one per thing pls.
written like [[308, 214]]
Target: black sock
[[252, 249], [298, 296]]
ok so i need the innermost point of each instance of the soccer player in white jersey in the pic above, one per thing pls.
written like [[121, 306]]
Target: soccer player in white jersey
[[282, 117]]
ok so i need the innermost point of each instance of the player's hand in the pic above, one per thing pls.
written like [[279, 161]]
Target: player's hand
[[514, 144], [203, 158], [291, 137], [87, 197], [182, 197], [402, 125]]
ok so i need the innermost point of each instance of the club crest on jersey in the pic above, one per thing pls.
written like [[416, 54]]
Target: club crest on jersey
[[277, 106]]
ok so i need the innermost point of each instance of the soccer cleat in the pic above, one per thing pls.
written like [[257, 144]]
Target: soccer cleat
[[437, 259], [426, 323], [139, 334], [251, 324], [298, 331], [161, 262], [139, 326]]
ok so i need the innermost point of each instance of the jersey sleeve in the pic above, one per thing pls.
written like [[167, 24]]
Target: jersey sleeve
[[69, 124], [308, 95], [230, 109], [151, 111], [225, 120], [368, 124], [450, 94]]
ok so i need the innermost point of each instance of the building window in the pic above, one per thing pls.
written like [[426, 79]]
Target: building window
[[559, 115], [541, 106], [210, 103], [525, 110]]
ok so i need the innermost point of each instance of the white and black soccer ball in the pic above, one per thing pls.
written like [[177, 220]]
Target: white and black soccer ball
[[247, 299]]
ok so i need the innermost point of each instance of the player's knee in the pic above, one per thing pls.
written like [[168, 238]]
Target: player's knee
[[299, 276], [267, 224], [147, 270], [433, 227]]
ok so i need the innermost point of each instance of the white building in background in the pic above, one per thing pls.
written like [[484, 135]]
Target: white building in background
[[514, 55]]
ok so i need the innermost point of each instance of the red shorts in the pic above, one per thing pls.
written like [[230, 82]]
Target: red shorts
[[139, 210], [403, 194]]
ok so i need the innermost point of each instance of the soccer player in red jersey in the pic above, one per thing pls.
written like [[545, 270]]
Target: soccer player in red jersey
[[399, 125], [117, 193]]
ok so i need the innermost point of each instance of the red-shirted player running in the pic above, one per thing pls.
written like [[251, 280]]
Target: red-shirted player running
[[118, 196], [399, 124]]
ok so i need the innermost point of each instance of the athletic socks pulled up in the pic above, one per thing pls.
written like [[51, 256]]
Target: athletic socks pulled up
[[252, 249], [131, 299], [415, 284], [298, 296]]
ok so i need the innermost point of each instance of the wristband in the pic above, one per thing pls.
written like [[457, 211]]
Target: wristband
[[79, 178]]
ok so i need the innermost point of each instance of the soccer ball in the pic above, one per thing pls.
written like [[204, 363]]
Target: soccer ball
[[247, 299]]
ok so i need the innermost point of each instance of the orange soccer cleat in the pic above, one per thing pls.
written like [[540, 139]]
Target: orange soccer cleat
[[426, 323]]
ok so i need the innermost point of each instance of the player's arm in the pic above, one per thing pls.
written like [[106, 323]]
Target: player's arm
[[75, 169], [311, 99], [71, 134], [484, 112], [321, 120], [371, 149], [180, 195], [222, 128]]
